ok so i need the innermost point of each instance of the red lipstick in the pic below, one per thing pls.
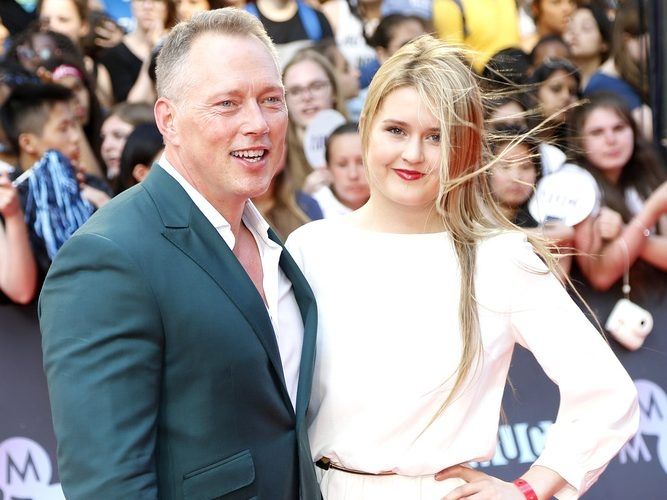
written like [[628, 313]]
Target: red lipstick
[[409, 175]]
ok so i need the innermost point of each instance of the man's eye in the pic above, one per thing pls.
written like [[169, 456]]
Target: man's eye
[[274, 100]]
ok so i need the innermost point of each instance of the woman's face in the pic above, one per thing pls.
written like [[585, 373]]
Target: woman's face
[[509, 114], [513, 177], [553, 49], [555, 93], [583, 35], [553, 15], [308, 91], [150, 14], [637, 47], [346, 165], [187, 8], [114, 134], [62, 16], [402, 34], [608, 141], [81, 105], [403, 154]]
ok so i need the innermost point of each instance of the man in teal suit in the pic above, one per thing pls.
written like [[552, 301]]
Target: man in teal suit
[[178, 335]]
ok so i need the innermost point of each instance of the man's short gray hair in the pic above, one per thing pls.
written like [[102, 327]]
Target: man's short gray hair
[[171, 70]]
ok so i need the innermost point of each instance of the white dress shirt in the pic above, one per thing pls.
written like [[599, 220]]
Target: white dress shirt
[[389, 344], [281, 303]]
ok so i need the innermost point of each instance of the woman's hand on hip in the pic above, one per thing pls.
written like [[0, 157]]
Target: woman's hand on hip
[[479, 486]]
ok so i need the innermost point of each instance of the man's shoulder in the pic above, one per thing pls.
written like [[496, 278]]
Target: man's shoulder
[[130, 214]]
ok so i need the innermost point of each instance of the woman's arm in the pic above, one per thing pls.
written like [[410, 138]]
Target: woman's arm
[[598, 409], [18, 271], [604, 258], [543, 481], [655, 252], [561, 236]]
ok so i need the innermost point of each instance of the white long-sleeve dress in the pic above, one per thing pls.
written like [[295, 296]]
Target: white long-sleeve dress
[[389, 345]]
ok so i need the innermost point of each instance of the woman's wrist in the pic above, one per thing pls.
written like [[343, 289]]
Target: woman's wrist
[[638, 224], [525, 488]]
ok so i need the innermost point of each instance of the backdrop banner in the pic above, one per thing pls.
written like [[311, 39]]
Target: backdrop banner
[[27, 445]]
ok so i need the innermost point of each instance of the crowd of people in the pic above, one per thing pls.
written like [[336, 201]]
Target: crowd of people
[[567, 82]]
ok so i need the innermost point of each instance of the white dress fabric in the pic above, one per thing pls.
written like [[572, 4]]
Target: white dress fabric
[[388, 348]]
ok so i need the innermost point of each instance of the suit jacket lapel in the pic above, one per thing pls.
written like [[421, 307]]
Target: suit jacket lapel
[[308, 307], [189, 230]]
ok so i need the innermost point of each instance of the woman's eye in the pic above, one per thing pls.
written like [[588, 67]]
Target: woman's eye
[[394, 130], [434, 138]]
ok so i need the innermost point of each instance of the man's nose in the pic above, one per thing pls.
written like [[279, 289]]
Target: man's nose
[[255, 121]]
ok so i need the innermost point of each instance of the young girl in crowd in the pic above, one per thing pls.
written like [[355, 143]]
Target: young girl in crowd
[[588, 35], [115, 130], [422, 294], [551, 18], [555, 88], [393, 31], [631, 227], [349, 186], [310, 87], [626, 71], [513, 179]]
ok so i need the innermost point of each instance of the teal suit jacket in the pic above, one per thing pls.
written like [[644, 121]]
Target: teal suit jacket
[[162, 365]]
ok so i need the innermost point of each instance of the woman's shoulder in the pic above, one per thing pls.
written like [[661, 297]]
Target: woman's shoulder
[[507, 248], [314, 232], [508, 258]]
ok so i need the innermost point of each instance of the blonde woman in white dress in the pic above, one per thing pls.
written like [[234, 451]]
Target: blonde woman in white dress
[[423, 293]]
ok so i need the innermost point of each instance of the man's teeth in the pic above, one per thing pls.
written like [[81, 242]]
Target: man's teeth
[[251, 155]]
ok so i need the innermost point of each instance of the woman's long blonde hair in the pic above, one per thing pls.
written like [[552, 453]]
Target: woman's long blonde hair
[[448, 87]]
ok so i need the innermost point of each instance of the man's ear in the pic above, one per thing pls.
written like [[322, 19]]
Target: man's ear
[[29, 144], [165, 117]]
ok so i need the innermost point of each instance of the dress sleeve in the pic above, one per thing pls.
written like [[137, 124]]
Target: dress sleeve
[[598, 409]]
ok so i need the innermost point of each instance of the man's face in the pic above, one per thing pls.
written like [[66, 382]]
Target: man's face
[[61, 131], [228, 129]]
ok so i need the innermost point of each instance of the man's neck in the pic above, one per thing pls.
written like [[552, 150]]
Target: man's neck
[[231, 208]]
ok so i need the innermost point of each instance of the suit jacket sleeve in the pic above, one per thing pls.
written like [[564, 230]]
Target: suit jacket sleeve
[[102, 347]]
